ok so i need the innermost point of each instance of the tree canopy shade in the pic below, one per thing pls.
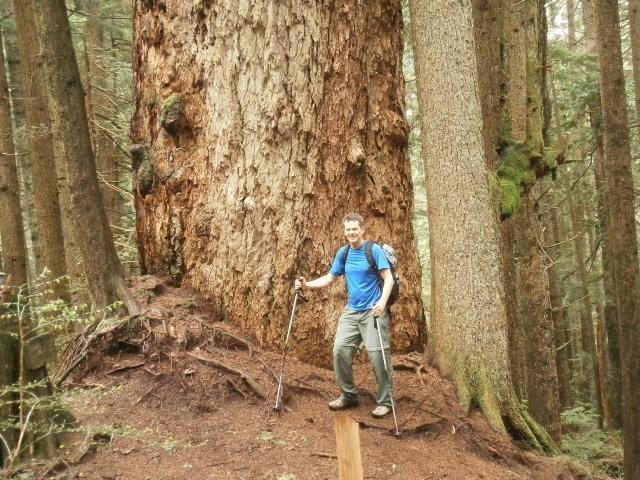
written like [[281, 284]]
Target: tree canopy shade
[[255, 137]]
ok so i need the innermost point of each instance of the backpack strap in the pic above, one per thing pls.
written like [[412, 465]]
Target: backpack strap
[[343, 258], [368, 247]]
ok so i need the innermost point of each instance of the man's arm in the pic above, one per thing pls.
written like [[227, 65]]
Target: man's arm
[[319, 282], [378, 308]]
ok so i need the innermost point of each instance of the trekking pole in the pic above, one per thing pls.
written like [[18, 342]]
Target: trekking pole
[[279, 393], [386, 369]]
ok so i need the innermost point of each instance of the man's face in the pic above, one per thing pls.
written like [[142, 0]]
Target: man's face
[[353, 231]]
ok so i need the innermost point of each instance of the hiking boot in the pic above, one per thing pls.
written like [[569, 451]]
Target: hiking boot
[[341, 404], [380, 411]]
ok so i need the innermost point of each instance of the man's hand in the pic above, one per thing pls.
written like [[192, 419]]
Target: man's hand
[[300, 283], [378, 309]]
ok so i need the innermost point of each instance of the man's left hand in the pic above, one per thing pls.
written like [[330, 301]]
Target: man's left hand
[[378, 309]]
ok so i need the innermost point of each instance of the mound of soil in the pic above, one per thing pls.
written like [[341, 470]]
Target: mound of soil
[[174, 395]]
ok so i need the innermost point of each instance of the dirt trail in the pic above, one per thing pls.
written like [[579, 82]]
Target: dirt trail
[[179, 397]]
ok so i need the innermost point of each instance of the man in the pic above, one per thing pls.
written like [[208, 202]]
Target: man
[[356, 324]]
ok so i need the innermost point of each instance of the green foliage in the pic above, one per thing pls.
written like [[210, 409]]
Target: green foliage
[[588, 444]]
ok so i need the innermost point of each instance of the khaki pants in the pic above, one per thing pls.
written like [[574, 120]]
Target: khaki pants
[[355, 327]]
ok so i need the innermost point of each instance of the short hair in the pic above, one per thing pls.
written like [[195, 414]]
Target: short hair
[[353, 217]]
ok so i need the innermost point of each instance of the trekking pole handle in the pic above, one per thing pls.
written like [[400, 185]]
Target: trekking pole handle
[[301, 295]]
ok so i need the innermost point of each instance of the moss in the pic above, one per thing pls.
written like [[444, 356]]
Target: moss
[[515, 174], [170, 101], [510, 194], [171, 117]]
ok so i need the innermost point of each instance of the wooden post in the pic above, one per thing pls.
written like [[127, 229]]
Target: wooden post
[[348, 448]]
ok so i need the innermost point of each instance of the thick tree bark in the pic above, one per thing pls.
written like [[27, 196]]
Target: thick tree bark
[[14, 252], [621, 226], [40, 142], [468, 311], [72, 141], [254, 138]]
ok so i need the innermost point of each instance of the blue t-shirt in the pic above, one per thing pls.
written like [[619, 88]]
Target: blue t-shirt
[[362, 282]]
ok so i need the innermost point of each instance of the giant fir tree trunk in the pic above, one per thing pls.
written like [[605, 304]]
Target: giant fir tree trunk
[[468, 311], [67, 108], [256, 129], [621, 225]]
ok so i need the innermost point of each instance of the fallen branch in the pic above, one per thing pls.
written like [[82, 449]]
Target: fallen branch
[[151, 372], [126, 367], [145, 394], [71, 368], [323, 455], [251, 383], [268, 369], [229, 339], [235, 387]]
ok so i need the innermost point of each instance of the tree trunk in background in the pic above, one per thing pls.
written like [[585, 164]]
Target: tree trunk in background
[[534, 315], [591, 389], [14, 252], [612, 367], [488, 34], [488, 24], [512, 51], [564, 344], [468, 312], [66, 104], [40, 141], [571, 24], [12, 60], [8, 377], [634, 35], [97, 92], [621, 226], [254, 138]]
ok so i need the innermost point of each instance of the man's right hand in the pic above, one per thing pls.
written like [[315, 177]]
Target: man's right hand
[[300, 283]]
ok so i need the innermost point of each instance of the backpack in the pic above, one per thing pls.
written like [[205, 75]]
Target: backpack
[[390, 253]]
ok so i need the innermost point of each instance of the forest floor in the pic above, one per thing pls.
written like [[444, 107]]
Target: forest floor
[[181, 397]]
